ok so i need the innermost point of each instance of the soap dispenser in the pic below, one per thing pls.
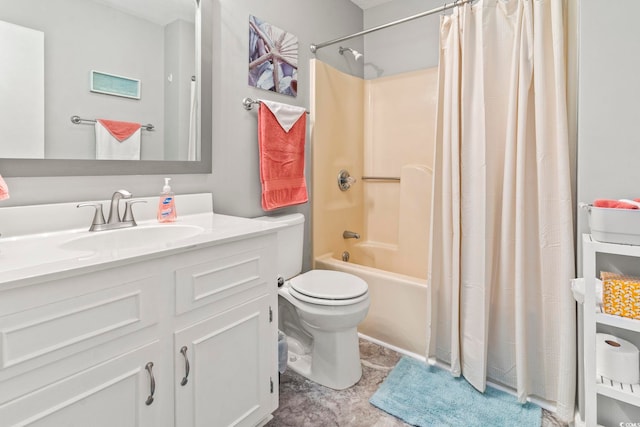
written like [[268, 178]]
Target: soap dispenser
[[167, 204]]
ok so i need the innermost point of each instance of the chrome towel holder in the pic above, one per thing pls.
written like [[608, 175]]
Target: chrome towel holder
[[79, 120], [248, 103]]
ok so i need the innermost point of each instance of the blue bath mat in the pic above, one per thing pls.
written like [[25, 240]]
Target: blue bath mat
[[423, 395]]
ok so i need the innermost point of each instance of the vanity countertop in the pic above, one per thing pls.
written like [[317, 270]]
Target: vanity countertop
[[28, 257]]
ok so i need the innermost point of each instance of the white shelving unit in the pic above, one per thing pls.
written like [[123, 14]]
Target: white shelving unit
[[593, 315]]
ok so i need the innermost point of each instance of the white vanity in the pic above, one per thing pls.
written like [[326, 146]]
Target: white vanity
[[154, 328]]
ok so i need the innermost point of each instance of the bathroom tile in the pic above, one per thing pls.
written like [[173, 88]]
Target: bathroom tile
[[306, 404]]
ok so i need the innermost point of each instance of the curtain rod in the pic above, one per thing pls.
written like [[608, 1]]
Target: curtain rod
[[442, 8]]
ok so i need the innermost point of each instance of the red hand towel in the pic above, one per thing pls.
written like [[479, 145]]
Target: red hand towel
[[120, 130], [616, 204], [4, 189], [281, 161]]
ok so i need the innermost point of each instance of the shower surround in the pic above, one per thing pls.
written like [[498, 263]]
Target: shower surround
[[376, 128]]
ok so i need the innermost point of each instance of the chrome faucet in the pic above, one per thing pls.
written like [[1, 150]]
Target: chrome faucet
[[114, 221], [114, 210], [350, 235]]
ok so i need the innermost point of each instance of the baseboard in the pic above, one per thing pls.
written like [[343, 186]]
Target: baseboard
[[577, 422], [264, 421], [392, 347]]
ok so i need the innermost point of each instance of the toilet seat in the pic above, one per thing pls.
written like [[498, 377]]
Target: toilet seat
[[327, 287]]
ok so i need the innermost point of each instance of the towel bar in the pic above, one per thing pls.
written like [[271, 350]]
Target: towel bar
[[78, 120], [248, 103]]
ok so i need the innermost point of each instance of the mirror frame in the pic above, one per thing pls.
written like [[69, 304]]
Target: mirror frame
[[76, 167]]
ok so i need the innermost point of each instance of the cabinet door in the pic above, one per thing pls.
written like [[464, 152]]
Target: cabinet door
[[113, 393], [230, 357]]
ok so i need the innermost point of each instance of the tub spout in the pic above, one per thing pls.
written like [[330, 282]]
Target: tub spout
[[350, 235]]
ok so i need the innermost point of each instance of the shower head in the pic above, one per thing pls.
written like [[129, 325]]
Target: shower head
[[357, 55]]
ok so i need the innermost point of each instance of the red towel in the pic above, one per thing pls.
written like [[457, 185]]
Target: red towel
[[616, 204], [4, 189], [281, 161], [120, 130]]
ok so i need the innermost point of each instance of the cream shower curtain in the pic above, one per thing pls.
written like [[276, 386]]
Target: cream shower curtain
[[502, 243]]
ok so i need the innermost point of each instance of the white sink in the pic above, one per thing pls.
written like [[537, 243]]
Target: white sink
[[130, 238]]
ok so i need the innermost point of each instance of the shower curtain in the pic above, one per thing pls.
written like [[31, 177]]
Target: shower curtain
[[502, 243]]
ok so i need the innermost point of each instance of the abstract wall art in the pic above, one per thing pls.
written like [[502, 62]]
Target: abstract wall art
[[273, 58]]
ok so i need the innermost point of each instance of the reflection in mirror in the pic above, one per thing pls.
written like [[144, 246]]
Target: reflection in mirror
[[119, 60]]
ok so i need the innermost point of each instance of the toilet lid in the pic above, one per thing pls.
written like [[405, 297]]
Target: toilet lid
[[331, 285]]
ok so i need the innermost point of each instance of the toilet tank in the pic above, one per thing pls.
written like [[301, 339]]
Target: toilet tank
[[290, 243]]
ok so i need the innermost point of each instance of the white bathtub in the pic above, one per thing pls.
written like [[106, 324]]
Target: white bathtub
[[398, 313]]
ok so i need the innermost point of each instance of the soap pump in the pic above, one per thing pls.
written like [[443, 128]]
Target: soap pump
[[167, 204]]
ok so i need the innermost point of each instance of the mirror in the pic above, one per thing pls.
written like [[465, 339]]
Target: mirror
[[139, 61]]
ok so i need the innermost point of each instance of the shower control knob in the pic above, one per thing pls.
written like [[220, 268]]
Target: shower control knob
[[345, 180], [280, 281]]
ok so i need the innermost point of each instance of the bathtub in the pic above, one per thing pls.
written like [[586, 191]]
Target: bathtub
[[398, 312]]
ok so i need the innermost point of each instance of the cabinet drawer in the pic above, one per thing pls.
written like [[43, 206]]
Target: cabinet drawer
[[224, 276], [46, 333]]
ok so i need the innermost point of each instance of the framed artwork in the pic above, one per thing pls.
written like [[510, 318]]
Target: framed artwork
[[273, 58], [112, 84]]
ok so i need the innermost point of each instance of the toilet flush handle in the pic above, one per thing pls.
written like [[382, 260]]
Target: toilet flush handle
[[280, 281]]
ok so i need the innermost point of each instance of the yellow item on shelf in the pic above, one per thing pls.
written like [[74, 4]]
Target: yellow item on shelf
[[621, 295]]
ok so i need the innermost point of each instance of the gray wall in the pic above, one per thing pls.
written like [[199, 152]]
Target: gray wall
[[609, 89], [79, 37], [406, 47], [236, 182], [235, 179], [608, 138]]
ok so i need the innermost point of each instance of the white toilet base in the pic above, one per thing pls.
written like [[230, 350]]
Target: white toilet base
[[299, 364], [326, 368]]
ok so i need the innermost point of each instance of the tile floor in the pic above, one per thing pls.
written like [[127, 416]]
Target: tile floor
[[306, 404]]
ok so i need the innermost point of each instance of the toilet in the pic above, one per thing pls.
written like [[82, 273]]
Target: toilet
[[319, 312]]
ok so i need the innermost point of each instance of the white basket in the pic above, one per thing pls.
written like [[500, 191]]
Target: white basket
[[614, 225]]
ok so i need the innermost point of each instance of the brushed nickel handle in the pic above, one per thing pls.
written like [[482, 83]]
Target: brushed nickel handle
[[152, 385], [128, 211], [185, 379], [98, 217]]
